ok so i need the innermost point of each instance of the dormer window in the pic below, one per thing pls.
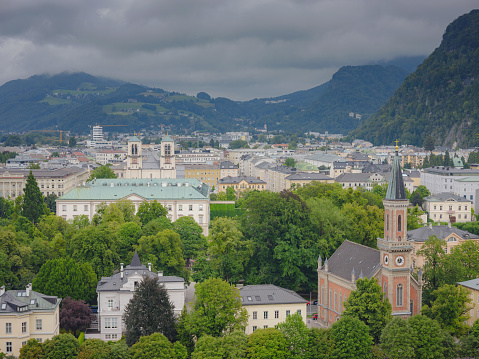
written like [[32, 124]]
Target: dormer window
[[4, 306], [32, 301]]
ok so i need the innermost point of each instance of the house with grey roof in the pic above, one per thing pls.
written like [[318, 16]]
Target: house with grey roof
[[448, 207], [473, 287], [451, 236], [361, 180], [181, 197], [115, 292], [269, 305], [26, 314]]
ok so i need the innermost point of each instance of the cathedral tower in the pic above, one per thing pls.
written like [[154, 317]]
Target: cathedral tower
[[134, 159]]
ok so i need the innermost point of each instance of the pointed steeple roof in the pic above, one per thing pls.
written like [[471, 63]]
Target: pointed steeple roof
[[167, 138], [134, 139], [396, 183], [135, 261]]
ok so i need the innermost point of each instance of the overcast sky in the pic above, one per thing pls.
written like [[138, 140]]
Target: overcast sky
[[240, 49]]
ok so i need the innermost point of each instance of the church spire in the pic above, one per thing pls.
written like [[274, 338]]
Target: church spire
[[396, 183]]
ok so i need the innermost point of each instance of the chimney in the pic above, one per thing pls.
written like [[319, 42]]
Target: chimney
[[430, 225], [449, 225], [326, 265], [353, 276], [149, 267], [160, 273], [121, 270], [28, 288], [2, 290]]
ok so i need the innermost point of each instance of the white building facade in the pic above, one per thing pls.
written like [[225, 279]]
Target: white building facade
[[181, 197]]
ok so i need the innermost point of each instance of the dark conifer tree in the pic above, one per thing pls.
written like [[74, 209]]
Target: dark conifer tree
[[33, 206], [149, 311]]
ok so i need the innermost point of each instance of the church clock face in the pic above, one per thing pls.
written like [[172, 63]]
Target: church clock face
[[386, 259], [399, 260]]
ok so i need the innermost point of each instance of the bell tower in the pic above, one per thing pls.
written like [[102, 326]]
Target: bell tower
[[396, 277], [134, 161], [167, 158]]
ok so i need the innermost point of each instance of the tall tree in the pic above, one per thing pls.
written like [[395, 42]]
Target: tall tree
[[428, 143], [33, 206], [351, 339], [191, 235], [148, 211], [397, 339], [149, 311], [368, 304], [297, 335], [433, 272], [216, 309], [427, 338], [450, 308]]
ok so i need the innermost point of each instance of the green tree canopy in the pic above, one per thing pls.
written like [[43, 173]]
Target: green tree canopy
[[149, 311], [231, 346], [367, 303], [268, 343], [62, 346], [216, 310], [450, 308], [32, 350], [351, 339], [397, 339], [148, 211], [290, 162], [64, 277], [102, 172], [238, 144], [157, 346], [297, 334], [191, 235], [94, 349]]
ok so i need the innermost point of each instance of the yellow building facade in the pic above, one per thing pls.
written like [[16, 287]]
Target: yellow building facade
[[473, 286], [241, 184], [24, 315]]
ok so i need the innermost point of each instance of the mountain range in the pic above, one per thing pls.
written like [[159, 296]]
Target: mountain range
[[73, 101]]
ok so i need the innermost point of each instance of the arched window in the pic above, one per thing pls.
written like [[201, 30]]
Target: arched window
[[411, 307], [387, 222], [399, 223], [385, 290], [330, 304], [340, 303], [335, 301], [399, 295]]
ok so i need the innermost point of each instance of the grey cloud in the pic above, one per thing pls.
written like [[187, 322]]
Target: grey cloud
[[239, 49]]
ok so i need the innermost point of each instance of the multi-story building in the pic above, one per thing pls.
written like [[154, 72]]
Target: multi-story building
[[448, 207], [301, 179], [473, 287], [104, 157], [24, 315], [210, 174], [58, 181], [190, 157], [440, 179], [450, 235], [241, 183], [115, 292], [269, 305], [181, 197], [390, 264], [361, 180]]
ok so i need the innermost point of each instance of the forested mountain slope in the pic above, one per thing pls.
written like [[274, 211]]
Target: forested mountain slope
[[440, 98]]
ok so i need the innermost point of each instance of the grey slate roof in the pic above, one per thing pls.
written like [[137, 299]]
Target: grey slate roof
[[115, 282], [235, 180], [352, 256], [152, 162], [473, 283], [264, 294], [441, 232], [12, 299], [444, 196], [353, 177], [42, 173], [227, 165], [396, 189], [308, 176]]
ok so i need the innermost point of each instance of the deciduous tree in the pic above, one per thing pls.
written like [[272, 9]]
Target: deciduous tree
[[351, 339], [268, 343], [148, 211], [94, 349], [102, 172], [62, 346], [367, 303], [297, 335], [75, 315], [397, 339], [157, 346]]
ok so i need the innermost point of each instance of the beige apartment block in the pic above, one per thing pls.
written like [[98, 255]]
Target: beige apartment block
[[24, 315], [58, 181], [473, 286]]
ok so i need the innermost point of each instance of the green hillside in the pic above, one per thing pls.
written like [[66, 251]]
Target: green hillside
[[440, 98], [73, 101]]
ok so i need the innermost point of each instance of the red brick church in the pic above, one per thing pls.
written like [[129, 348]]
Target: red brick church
[[390, 264]]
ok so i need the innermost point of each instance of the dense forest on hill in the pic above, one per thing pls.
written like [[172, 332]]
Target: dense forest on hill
[[439, 98]]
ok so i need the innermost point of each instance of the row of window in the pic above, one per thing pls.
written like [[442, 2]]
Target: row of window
[[111, 323], [458, 216], [334, 305], [38, 326], [170, 208], [276, 314], [459, 208]]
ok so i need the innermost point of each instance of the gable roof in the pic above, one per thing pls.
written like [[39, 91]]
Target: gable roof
[[355, 256], [422, 234], [473, 283], [444, 196], [264, 294], [34, 301]]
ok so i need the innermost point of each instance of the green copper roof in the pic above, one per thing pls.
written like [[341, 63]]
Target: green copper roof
[[167, 139], [133, 139], [396, 189], [149, 189]]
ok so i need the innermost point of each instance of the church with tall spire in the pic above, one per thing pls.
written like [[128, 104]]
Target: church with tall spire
[[391, 264]]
